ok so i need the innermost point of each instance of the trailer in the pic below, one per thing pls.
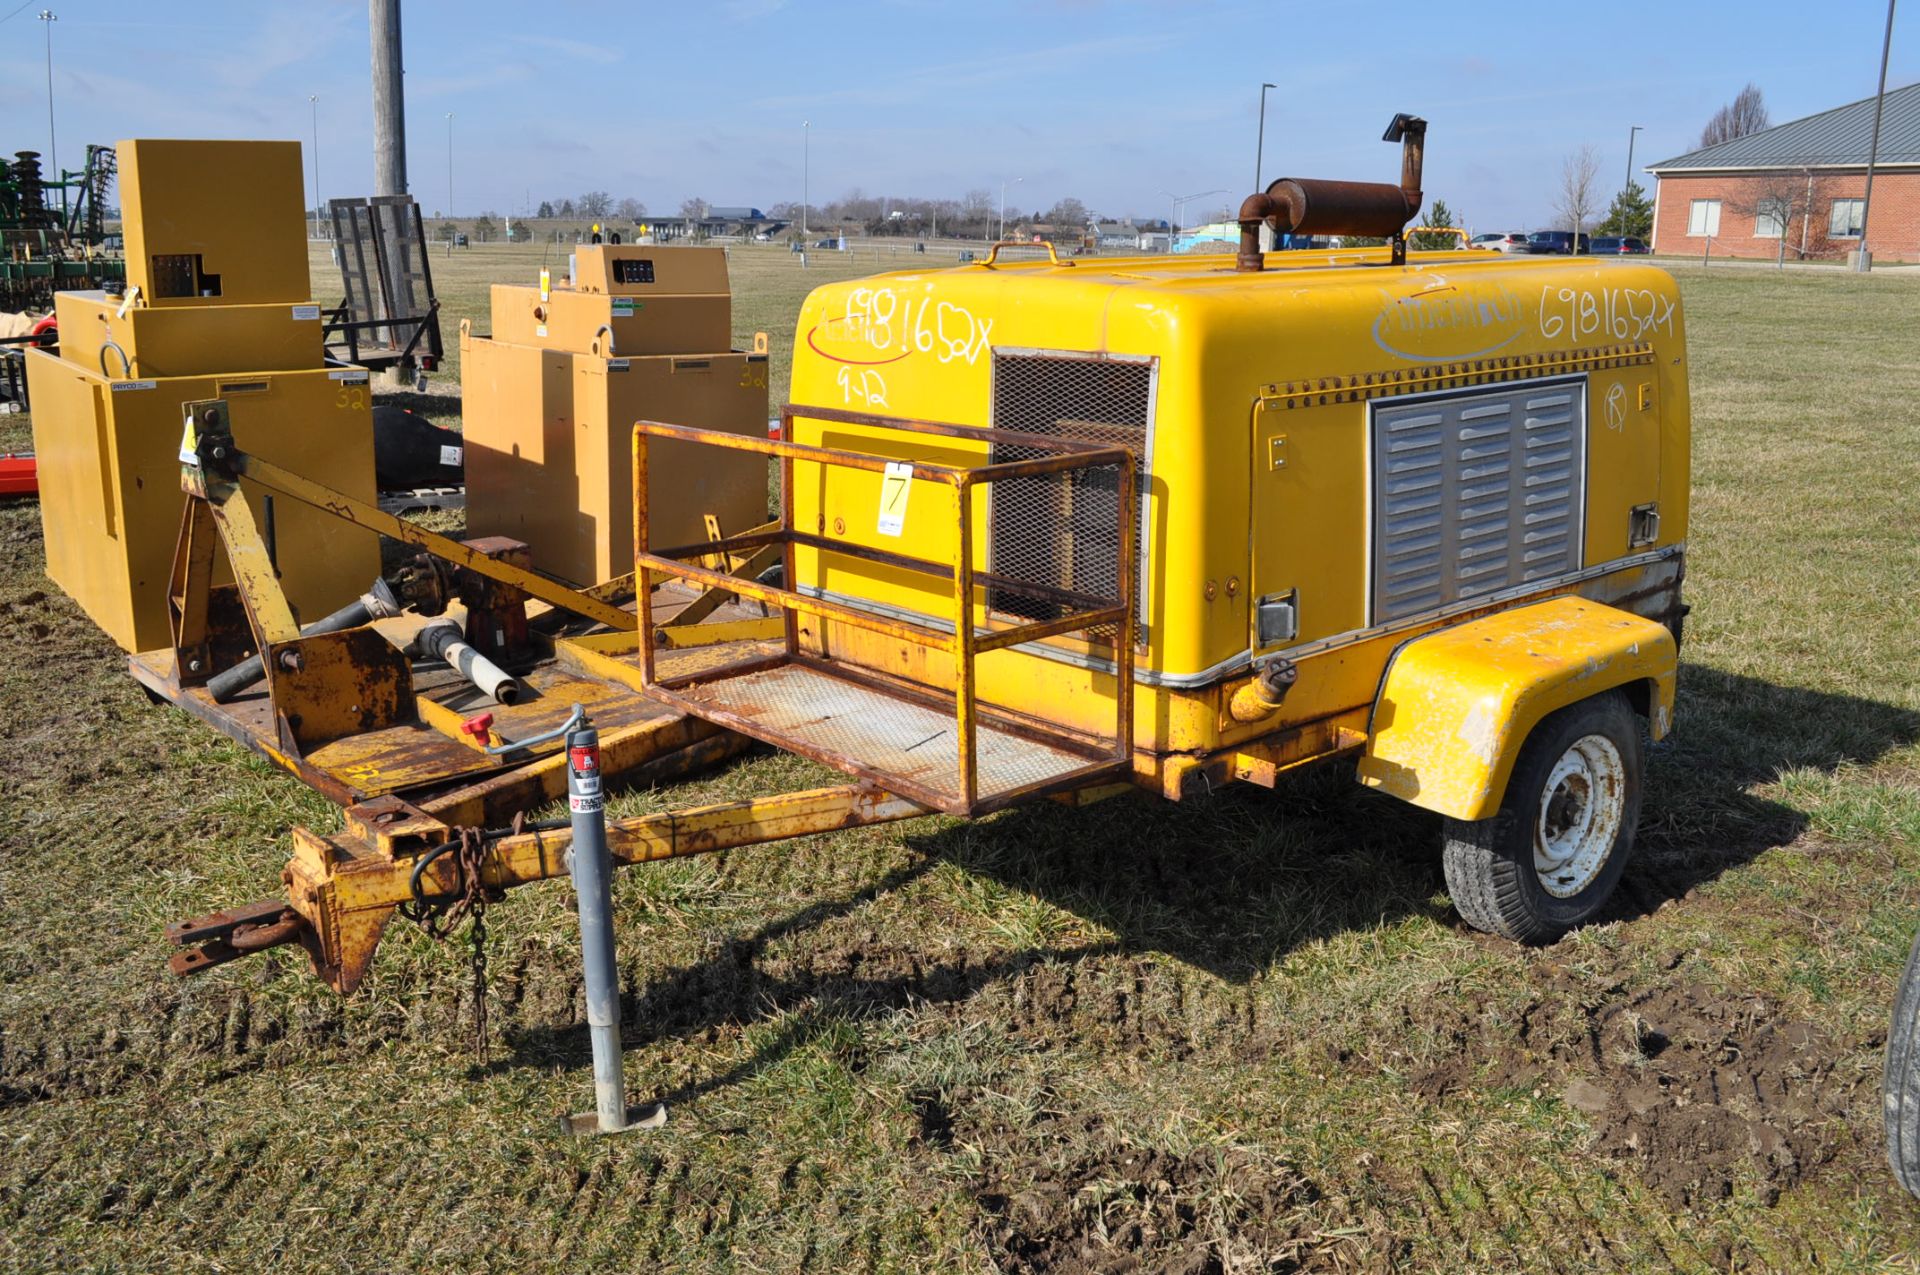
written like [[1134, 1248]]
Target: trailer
[[1072, 529]]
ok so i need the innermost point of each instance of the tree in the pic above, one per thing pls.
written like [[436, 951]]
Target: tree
[[565, 209], [484, 227], [1747, 113], [1630, 214], [595, 204], [1068, 215], [546, 208], [976, 212], [1438, 215], [446, 231], [1576, 200], [1795, 206], [630, 209], [694, 209]]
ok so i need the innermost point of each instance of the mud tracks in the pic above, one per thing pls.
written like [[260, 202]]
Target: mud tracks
[[1695, 1089]]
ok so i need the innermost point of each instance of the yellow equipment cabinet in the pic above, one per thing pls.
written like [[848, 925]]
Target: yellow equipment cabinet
[[551, 397], [217, 304]]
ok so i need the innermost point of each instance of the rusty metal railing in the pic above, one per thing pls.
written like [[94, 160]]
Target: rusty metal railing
[[1076, 611]]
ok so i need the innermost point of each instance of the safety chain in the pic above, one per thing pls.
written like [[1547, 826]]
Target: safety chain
[[469, 853]]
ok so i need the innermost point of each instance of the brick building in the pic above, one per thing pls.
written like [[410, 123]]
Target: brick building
[[1797, 188]]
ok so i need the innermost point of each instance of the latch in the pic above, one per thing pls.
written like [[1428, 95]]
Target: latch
[[1643, 525]]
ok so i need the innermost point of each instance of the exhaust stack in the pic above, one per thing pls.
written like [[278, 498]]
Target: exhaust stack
[[1315, 206]]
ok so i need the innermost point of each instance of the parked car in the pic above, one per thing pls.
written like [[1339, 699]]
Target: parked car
[[1552, 242], [1506, 241], [1618, 246]]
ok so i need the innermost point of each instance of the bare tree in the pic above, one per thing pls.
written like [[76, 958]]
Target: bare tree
[[694, 209], [1577, 198], [1790, 207], [1747, 113], [630, 209], [595, 204]]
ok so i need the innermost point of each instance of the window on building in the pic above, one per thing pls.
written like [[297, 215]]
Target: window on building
[[1770, 218], [1703, 217], [1844, 222]]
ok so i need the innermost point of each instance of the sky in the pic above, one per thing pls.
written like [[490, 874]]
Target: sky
[[1116, 104]]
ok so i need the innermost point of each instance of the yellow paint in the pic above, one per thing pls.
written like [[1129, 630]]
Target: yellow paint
[[1458, 704], [1243, 367], [199, 216]]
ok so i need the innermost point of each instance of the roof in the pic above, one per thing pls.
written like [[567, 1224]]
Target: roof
[[1838, 138]]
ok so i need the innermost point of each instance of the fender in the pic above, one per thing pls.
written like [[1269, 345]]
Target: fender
[[1456, 705]]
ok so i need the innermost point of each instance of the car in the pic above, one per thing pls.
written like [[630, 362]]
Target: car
[[1505, 241], [1618, 246], [1559, 242]]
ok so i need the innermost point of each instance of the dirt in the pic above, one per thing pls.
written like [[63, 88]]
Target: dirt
[[1694, 1089], [1114, 1207]]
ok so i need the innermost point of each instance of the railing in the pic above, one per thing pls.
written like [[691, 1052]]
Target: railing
[[1075, 611]]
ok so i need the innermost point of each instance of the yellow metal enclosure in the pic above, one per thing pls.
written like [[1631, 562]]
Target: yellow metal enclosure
[[1336, 454], [218, 303], [550, 399]]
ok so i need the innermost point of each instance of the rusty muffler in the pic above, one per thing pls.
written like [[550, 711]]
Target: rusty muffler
[[1315, 206]]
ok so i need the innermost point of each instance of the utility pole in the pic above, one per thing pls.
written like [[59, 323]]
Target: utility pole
[[389, 100], [1003, 204], [313, 100], [1862, 258], [1631, 134], [49, 17], [806, 173], [1260, 148], [449, 167]]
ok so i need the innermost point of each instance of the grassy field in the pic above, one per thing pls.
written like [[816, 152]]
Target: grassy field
[[1242, 1035]]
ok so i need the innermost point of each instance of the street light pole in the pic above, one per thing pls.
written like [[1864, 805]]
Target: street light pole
[[49, 17], [1260, 148], [806, 173], [1631, 133], [1179, 202], [313, 100], [449, 167], [1003, 204], [1862, 261]]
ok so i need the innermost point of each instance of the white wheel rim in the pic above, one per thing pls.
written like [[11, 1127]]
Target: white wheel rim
[[1581, 807]]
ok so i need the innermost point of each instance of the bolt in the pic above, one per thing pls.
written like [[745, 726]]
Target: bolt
[[193, 666], [211, 416]]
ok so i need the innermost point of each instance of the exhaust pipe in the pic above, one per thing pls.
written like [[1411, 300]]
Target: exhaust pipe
[[1315, 206]]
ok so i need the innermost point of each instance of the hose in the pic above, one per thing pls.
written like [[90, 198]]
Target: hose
[[375, 604], [126, 364]]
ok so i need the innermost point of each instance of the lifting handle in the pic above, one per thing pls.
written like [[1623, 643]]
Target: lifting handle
[[993, 253]]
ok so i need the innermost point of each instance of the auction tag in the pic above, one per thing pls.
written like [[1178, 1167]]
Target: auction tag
[[452, 455], [546, 285], [304, 313], [189, 444], [894, 486]]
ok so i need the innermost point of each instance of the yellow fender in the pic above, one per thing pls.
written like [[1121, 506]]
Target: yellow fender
[[1457, 704]]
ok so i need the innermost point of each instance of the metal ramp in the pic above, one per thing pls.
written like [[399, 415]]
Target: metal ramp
[[934, 744]]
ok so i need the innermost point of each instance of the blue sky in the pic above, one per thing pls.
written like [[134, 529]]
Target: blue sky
[[1107, 102]]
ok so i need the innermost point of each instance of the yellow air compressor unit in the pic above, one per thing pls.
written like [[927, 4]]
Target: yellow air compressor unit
[[217, 303], [549, 402]]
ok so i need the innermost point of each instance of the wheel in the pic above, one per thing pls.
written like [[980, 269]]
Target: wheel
[[1900, 1086], [1550, 859]]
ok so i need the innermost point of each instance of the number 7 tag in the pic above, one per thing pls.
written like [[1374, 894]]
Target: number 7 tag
[[894, 486]]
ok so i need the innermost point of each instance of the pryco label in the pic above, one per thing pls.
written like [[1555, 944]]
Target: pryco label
[[306, 313], [121, 387], [349, 375]]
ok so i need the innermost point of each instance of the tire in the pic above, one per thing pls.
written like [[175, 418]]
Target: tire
[[1531, 874], [1900, 1086]]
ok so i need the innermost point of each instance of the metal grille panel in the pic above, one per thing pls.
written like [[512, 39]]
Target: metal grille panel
[[1060, 529], [1475, 492]]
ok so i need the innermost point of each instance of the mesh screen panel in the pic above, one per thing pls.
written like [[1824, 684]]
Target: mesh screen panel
[[1061, 530]]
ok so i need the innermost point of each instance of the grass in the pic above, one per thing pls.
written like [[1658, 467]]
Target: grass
[[1234, 1035]]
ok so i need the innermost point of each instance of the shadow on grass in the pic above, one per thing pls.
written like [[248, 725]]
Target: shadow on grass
[[1232, 883]]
